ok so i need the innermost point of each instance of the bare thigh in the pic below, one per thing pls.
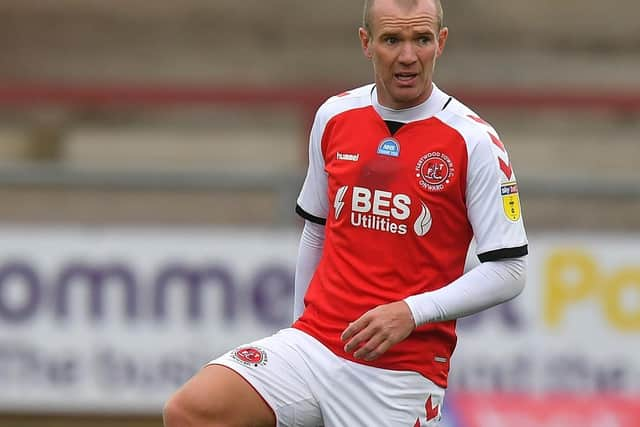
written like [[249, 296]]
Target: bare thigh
[[218, 396]]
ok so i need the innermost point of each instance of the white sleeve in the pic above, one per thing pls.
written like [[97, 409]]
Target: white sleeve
[[493, 204], [309, 253], [312, 203], [488, 284]]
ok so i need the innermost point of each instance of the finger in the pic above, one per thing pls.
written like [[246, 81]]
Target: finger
[[354, 328], [349, 332], [368, 351], [361, 337], [378, 351]]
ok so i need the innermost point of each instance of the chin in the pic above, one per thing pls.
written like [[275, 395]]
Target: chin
[[407, 100]]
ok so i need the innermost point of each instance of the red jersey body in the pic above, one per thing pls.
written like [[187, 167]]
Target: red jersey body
[[398, 216]]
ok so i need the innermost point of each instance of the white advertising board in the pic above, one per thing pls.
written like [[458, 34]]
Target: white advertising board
[[575, 327], [115, 319]]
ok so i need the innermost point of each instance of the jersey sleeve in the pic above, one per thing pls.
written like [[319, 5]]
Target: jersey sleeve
[[493, 201], [312, 203]]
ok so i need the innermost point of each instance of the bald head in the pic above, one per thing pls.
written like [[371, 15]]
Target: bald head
[[408, 4]]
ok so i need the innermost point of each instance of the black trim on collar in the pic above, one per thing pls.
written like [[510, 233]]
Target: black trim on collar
[[393, 126]]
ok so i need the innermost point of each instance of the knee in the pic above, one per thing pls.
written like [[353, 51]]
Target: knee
[[175, 413], [179, 411], [216, 397]]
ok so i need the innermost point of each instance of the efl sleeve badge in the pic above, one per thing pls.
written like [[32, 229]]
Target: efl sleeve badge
[[510, 200]]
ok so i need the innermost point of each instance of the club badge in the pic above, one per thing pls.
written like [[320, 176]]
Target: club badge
[[434, 171], [250, 356]]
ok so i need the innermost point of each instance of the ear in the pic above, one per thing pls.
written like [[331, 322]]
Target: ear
[[365, 42], [442, 40]]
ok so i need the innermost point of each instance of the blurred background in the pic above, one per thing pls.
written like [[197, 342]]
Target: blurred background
[[150, 159]]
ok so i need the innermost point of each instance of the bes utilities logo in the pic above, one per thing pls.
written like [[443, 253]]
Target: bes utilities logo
[[381, 210]]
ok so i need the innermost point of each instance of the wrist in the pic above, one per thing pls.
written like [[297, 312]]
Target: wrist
[[414, 303]]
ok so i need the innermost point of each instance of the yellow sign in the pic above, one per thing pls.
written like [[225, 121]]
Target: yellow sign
[[573, 276], [510, 200]]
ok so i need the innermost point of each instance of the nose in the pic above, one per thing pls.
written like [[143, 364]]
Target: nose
[[407, 54]]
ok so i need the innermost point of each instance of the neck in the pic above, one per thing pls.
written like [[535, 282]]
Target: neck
[[433, 104]]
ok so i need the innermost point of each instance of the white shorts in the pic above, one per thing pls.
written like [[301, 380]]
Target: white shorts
[[307, 385]]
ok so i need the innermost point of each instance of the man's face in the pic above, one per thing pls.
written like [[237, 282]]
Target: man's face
[[403, 44]]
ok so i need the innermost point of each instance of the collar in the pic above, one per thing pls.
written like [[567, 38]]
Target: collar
[[428, 108]]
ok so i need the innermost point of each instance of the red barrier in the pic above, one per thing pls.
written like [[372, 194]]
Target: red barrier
[[113, 95], [549, 410]]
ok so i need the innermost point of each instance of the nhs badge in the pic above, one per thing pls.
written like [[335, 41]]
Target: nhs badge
[[389, 147]]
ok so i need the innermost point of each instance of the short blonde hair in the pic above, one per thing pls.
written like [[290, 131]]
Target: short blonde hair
[[366, 21]]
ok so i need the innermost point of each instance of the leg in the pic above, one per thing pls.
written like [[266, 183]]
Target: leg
[[361, 395], [217, 397]]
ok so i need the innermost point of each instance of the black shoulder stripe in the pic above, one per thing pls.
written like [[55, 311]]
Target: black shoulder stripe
[[306, 215], [447, 104], [504, 253]]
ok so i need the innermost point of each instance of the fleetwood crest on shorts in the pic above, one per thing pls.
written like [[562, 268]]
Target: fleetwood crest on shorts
[[250, 356]]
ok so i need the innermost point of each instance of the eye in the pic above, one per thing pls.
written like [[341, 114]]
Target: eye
[[424, 40], [390, 40]]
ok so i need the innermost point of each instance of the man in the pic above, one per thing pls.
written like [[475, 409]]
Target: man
[[401, 178]]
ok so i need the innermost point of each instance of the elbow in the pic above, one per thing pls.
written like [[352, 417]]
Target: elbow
[[522, 281], [519, 276], [514, 278]]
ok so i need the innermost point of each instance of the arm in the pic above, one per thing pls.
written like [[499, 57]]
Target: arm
[[309, 252], [488, 284], [312, 205]]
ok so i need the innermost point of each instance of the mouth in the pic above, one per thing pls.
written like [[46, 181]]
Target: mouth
[[405, 79]]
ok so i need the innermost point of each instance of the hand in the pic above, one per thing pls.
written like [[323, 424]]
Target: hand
[[377, 330]]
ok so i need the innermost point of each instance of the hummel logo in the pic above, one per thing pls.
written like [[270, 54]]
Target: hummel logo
[[350, 157]]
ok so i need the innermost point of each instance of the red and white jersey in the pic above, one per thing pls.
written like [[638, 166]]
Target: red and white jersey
[[402, 193]]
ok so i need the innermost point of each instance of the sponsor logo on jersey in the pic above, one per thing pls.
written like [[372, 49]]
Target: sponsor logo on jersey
[[510, 200], [250, 356], [434, 171], [348, 156], [381, 211], [338, 203], [423, 223], [389, 147]]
